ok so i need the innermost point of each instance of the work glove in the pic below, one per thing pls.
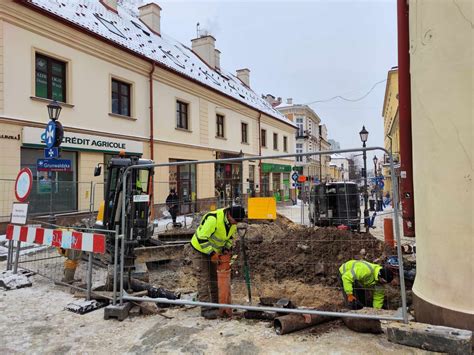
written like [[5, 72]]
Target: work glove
[[214, 257], [351, 298]]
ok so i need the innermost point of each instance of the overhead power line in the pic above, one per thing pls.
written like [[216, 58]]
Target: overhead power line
[[347, 99]]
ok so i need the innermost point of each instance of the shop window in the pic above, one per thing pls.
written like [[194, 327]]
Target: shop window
[[182, 115], [50, 78], [275, 141], [53, 191], [244, 128], [182, 178], [121, 98], [220, 126], [263, 135], [285, 144]]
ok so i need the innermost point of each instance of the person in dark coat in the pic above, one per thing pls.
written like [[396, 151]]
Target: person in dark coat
[[172, 204]]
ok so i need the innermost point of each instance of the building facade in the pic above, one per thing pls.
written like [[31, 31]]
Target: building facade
[[123, 85], [342, 163], [442, 106], [311, 136], [391, 129]]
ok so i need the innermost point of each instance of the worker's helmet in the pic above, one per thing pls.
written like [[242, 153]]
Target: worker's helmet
[[237, 213], [386, 274]]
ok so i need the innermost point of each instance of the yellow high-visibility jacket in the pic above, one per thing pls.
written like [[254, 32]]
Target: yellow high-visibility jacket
[[214, 233], [366, 274]]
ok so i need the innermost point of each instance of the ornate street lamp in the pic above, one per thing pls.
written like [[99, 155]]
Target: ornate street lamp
[[54, 109], [364, 134]]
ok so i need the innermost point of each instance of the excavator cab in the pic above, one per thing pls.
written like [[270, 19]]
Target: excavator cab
[[138, 199]]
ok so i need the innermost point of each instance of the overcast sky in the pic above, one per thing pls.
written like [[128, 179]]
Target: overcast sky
[[307, 50]]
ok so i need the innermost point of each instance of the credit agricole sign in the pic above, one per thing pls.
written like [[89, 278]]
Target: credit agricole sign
[[33, 136]]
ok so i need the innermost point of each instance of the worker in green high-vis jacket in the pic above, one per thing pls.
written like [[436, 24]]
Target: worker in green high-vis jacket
[[214, 236], [359, 276]]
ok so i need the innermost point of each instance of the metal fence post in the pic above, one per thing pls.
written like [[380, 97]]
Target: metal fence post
[[10, 255], [117, 236], [17, 256], [89, 277]]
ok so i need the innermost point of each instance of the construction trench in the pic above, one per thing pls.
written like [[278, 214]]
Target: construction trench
[[290, 266]]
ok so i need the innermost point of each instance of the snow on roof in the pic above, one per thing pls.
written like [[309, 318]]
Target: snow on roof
[[337, 156], [126, 30]]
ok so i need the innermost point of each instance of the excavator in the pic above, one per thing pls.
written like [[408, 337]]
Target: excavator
[[138, 227]]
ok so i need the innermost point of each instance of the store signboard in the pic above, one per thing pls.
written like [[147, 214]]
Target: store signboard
[[32, 136]]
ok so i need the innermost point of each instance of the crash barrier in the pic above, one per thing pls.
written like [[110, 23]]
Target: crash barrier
[[292, 257], [68, 257]]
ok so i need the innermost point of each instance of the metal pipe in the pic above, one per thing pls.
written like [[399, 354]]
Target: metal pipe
[[401, 273], [89, 277], [258, 308], [17, 256], [366, 210], [406, 160], [122, 263], [293, 322], [117, 236]]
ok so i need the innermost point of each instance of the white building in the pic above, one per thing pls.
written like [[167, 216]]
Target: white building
[[342, 163]]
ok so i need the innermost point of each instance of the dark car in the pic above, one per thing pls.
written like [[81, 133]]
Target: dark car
[[334, 204]]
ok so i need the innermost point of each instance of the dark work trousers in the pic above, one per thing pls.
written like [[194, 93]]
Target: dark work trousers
[[173, 212], [206, 275], [359, 292]]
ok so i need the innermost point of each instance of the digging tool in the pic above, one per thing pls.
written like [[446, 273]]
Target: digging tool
[[242, 232]]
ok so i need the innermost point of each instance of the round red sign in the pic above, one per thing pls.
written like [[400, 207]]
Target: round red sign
[[23, 184]]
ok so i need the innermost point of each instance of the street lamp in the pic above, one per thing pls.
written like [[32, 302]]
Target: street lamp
[[54, 109], [363, 137]]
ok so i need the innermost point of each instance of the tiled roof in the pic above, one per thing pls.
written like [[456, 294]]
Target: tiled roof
[[128, 31]]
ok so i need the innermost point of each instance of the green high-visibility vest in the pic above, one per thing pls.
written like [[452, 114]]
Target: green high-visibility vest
[[366, 274], [214, 233]]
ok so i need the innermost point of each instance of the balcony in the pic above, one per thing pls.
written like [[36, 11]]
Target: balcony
[[300, 134]]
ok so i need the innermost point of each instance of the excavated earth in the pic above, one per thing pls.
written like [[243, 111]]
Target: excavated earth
[[287, 260]]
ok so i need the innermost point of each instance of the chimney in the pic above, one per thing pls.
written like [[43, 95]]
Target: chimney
[[218, 59], [110, 4], [289, 101], [205, 48], [244, 76], [150, 15]]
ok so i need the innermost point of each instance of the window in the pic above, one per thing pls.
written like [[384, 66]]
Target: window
[[182, 115], [263, 138], [220, 126], [244, 128], [299, 124], [275, 141], [299, 149], [120, 98], [50, 78], [285, 143]]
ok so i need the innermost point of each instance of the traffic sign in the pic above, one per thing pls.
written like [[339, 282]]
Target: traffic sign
[[50, 134], [54, 165], [23, 184], [294, 176], [302, 178], [50, 153]]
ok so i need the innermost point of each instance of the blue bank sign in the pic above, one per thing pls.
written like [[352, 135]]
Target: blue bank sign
[[54, 165]]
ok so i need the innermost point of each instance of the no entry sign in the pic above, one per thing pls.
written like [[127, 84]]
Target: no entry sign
[[23, 184]]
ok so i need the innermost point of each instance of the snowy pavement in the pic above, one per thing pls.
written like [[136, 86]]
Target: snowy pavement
[[33, 320]]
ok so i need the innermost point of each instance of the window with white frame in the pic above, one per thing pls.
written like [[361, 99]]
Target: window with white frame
[[299, 149]]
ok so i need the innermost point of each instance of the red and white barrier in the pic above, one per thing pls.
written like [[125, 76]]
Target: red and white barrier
[[58, 238]]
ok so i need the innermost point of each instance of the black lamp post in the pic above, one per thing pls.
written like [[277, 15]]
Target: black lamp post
[[54, 109], [363, 137], [375, 160]]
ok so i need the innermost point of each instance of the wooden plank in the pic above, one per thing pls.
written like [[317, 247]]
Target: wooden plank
[[159, 253]]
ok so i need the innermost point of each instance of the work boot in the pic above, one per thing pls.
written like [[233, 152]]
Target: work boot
[[209, 313], [68, 276]]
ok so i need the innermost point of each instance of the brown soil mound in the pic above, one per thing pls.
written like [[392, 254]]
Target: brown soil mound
[[284, 251]]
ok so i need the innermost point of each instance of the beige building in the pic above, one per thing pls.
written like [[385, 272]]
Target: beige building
[[311, 136], [442, 100], [116, 76], [391, 128]]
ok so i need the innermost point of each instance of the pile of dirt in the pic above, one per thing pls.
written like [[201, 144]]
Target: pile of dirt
[[283, 251]]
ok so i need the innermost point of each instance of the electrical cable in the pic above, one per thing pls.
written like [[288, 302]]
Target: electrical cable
[[346, 99]]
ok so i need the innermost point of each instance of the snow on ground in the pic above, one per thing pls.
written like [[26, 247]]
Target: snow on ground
[[164, 224], [33, 320]]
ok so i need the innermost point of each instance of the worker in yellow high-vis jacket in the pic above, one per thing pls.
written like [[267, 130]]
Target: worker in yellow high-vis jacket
[[359, 276], [214, 236]]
